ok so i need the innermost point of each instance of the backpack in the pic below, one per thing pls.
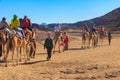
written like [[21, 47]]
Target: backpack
[[30, 23]]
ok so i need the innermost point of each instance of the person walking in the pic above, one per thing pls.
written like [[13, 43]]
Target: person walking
[[49, 46], [66, 41], [109, 37]]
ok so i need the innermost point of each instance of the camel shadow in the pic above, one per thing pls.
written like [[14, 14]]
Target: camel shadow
[[41, 53], [29, 63]]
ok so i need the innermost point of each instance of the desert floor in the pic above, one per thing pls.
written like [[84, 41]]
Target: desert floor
[[100, 63]]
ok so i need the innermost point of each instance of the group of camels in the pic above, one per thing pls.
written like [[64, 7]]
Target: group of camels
[[14, 44], [91, 39]]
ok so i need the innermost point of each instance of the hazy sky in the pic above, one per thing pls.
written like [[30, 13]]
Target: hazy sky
[[57, 11]]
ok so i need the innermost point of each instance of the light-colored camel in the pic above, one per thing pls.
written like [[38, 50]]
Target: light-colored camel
[[85, 39], [93, 40], [58, 38], [101, 38], [16, 44]]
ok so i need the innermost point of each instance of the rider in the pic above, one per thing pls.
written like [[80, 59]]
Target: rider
[[15, 24], [57, 29], [85, 28], [93, 29], [5, 26], [101, 30], [26, 24]]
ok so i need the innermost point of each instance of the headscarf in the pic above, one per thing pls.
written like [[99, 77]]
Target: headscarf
[[15, 17]]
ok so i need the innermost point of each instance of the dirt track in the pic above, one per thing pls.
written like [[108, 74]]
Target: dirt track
[[101, 63]]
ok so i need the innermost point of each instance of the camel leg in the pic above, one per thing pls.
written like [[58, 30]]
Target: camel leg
[[6, 57], [3, 50], [93, 43], [82, 44], [31, 50], [89, 43], [27, 52], [34, 50], [13, 56], [20, 54], [54, 45], [17, 58], [59, 45]]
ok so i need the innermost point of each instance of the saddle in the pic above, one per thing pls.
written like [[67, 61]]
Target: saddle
[[16, 33]]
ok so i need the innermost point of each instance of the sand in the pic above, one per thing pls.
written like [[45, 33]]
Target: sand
[[100, 63]]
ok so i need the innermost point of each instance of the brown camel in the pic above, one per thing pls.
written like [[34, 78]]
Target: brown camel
[[32, 49], [32, 42], [4, 43]]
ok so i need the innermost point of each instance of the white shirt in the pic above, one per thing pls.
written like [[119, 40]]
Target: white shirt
[[57, 28]]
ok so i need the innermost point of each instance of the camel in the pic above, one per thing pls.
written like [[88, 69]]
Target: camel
[[32, 42], [4, 42], [57, 39], [85, 39], [16, 44], [93, 40], [101, 38]]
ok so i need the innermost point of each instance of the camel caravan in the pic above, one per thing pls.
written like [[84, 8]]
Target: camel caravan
[[18, 39], [94, 36]]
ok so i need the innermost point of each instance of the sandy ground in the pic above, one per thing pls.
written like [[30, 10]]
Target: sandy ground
[[100, 63]]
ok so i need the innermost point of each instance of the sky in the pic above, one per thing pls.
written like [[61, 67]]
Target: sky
[[56, 11]]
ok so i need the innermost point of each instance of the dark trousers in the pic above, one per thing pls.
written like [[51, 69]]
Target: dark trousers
[[49, 52], [109, 40]]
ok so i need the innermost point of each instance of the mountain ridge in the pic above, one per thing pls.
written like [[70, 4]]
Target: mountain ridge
[[110, 21]]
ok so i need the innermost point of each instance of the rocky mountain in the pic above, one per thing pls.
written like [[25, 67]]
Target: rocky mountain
[[110, 20]]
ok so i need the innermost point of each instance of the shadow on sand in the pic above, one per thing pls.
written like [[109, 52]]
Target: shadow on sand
[[41, 53], [29, 63], [77, 48]]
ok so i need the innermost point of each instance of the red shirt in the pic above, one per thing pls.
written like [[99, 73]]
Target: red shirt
[[66, 40], [25, 23]]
